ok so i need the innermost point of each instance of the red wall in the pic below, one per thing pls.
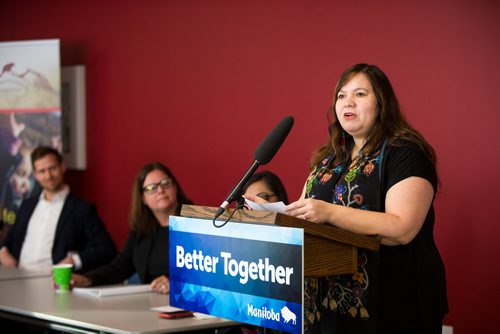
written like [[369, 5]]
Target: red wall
[[198, 84]]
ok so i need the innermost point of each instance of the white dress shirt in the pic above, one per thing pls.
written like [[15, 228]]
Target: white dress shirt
[[36, 253]]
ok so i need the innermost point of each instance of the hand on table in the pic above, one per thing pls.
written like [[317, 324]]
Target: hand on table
[[161, 285], [6, 259]]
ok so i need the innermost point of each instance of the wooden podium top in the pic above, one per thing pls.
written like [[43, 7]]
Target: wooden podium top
[[328, 250], [266, 217]]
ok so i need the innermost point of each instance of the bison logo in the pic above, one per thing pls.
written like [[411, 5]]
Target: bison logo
[[288, 315]]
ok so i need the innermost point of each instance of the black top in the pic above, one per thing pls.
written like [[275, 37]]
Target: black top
[[148, 256], [158, 260], [399, 287], [412, 276]]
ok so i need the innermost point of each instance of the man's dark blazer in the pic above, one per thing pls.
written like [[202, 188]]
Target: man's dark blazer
[[79, 229]]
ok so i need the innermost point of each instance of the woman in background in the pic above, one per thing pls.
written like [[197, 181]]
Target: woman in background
[[266, 185], [262, 186], [156, 195]]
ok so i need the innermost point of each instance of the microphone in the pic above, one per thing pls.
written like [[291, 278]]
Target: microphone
[[263, 154]]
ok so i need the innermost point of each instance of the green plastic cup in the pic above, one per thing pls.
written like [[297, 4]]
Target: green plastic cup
[[62, 277]]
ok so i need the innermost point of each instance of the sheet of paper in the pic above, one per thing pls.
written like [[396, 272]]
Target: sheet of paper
[[273, 207], [106, 291]]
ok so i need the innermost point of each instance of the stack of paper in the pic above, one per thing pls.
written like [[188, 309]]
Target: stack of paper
[[106, 291]]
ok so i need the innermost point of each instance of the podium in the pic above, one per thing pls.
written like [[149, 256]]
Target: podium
[[328, 250]]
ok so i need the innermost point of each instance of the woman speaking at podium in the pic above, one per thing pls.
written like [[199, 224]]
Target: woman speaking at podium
[[376, 176]]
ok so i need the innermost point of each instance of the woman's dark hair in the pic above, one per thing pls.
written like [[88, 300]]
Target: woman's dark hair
[[273, 182], [142, 219], [390, 122]]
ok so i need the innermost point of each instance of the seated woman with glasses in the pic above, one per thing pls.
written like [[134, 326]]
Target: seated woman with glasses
[[155, 196], [266, 185]]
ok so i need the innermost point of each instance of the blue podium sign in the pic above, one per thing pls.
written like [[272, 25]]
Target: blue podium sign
[[249, 273]]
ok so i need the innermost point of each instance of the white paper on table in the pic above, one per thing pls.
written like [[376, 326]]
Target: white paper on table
[[106, 291], [273, 207]]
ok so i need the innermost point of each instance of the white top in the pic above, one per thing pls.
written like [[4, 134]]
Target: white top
[[36, 253]]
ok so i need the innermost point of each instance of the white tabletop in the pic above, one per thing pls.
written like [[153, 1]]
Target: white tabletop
[[16, 273], [36, 299]]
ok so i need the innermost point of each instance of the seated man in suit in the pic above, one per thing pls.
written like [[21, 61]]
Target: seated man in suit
[[55, 227]]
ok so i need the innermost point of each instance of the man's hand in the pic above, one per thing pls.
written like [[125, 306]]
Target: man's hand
[[6, 259], [67, 260]]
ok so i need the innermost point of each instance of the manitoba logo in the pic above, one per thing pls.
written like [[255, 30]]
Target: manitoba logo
[[267, 314], [263, 313], [288, 315]]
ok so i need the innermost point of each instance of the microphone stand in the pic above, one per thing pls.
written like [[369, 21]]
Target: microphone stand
[[236, 190]]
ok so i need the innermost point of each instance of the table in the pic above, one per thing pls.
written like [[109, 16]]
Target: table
[[16, 273], [34, 301]]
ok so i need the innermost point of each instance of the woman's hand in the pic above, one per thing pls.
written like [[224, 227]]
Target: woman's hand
[[78, 280], [310, 209], [406, 206], [161, 285]]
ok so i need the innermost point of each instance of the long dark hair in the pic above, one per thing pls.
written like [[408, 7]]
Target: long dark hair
[[390, 122], [142, 219], [273, 182]]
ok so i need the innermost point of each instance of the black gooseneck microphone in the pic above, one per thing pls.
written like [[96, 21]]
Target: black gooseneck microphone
[[263, 154]]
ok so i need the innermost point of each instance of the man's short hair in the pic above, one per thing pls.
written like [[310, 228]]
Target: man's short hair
[[42, 151]]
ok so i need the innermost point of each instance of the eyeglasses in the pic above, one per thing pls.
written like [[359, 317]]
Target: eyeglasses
[[153, 187], [265, 196]]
